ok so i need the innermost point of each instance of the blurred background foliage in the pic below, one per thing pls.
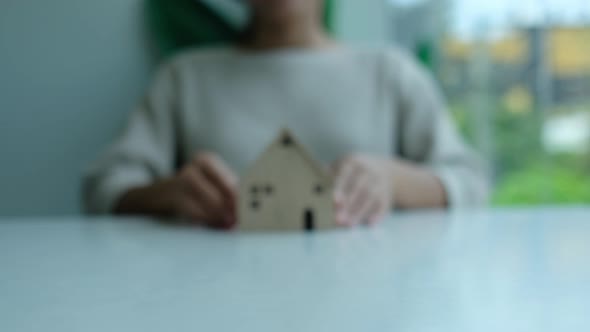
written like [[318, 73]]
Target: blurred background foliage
[[517, 77]]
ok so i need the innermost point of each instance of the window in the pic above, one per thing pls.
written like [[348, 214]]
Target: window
[[517, 78]]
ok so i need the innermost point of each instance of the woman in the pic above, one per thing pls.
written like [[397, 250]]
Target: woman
[[373, 115]]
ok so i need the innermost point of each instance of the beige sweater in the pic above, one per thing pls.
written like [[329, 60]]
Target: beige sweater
[[337, 102]]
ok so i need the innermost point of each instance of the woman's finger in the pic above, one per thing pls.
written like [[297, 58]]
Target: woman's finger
[[341, 214], [360, 194], [369, 212], [346, 180], [194, 212], [191, 210], [220, 175], [378, 216], [202, 191], [359, 203]]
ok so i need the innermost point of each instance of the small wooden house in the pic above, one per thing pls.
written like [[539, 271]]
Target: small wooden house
[[286, 190]]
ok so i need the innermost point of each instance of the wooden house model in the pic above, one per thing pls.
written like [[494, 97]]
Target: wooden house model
[[286, 190]]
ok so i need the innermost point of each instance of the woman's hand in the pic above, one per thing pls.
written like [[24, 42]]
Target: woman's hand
[[206, 190], [364, 189]]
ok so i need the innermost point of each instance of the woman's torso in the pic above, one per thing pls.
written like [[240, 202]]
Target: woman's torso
[[336, 102]]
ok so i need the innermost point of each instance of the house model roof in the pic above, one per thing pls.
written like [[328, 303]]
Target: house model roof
[[284, 138]]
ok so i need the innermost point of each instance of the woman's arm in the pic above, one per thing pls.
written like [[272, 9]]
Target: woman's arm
[[156, 199], [142, 155], [433, 167], [368, 187], [417, 187], [430, 141], [138, 173]]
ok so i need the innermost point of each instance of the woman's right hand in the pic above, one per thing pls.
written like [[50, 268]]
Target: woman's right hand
[[206, 190]]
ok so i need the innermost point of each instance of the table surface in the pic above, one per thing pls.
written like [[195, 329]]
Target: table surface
[[511, 270]]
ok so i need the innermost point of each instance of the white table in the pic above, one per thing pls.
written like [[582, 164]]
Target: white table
[[482, 271]]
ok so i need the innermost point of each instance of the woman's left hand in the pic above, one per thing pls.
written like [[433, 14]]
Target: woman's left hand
[[363, 190]]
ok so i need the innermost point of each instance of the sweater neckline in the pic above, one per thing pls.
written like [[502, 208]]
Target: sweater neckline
[[286, 53]]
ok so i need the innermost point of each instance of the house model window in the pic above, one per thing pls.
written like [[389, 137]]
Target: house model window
[[286, 189]]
